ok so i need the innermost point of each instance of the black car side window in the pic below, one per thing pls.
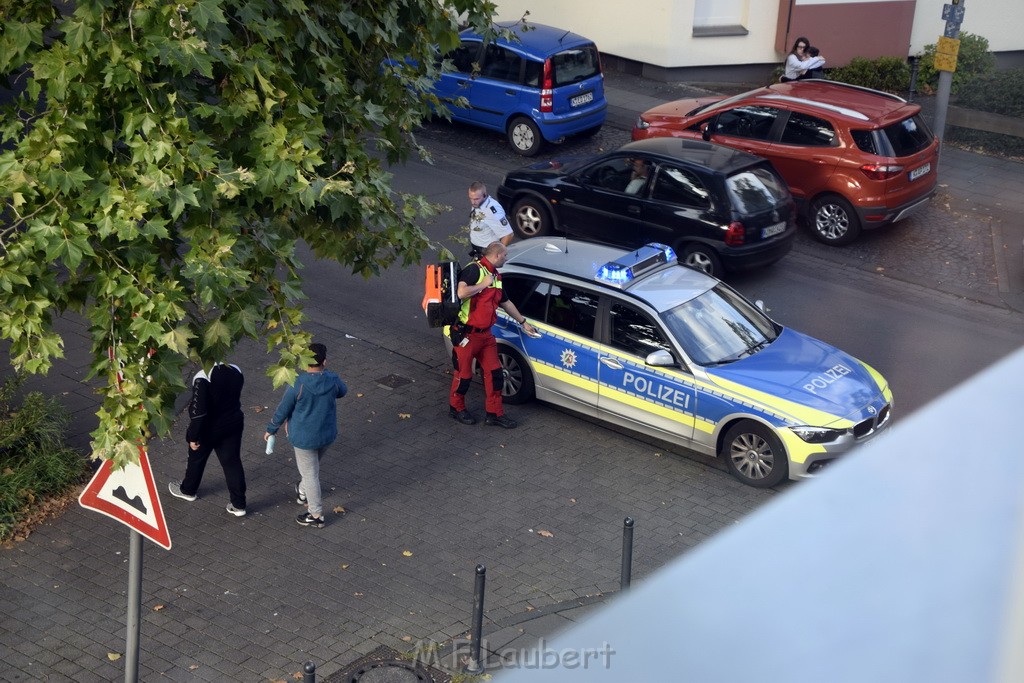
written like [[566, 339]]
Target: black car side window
[[501, 64], [809, 131], [680, 186], [611, 174], [634, 332], [753, 122]]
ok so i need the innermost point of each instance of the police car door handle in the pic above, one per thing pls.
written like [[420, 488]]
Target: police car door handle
[[612, 362]]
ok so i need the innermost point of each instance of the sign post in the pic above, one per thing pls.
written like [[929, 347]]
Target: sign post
[[129, 496], [946, 51]]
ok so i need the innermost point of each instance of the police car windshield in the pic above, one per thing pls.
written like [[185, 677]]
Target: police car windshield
[[719, 327]]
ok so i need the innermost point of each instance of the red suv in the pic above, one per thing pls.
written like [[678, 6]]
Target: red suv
[[854, 158]]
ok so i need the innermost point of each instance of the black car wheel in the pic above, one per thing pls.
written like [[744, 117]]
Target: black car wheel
[[518, 385], [524, 135], [833, 220], [530, 218], [701, 257], [754, 454]]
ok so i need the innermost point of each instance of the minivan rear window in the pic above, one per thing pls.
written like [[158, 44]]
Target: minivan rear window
[[909, 136], [574, 65]]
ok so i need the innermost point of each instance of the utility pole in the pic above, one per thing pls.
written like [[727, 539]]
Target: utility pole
[[945, 61]]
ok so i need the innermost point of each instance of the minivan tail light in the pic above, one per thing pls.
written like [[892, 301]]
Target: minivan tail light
[[736, 234], [881, 171], [547, 89]]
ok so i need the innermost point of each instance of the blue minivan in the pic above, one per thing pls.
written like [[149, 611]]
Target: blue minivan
[[547, 86]]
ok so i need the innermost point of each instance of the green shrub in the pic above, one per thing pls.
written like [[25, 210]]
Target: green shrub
[[890, 74], [999, 93], [973, 60], [35, 463]]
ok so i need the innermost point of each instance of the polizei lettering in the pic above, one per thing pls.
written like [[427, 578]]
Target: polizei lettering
[[828, 377], [656, 390]]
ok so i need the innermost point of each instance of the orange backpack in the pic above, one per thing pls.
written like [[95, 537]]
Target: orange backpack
[[440, 299]]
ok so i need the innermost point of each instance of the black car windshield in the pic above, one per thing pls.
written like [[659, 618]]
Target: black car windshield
[[719, 326]]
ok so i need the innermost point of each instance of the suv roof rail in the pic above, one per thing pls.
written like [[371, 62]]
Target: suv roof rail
[[861, 88]]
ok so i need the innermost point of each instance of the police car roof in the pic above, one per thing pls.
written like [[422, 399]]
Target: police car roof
[[663, 287]]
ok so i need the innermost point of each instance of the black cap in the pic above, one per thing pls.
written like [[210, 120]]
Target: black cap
[[319, 353]]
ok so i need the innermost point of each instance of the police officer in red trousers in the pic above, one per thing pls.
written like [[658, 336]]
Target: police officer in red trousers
[[481, 293]]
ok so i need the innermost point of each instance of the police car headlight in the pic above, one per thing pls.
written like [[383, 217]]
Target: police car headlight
[[817, 434]]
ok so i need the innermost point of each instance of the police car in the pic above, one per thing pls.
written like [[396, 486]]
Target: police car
[[636, 339]]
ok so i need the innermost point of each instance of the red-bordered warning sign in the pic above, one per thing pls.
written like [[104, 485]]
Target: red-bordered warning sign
[[129, 496]]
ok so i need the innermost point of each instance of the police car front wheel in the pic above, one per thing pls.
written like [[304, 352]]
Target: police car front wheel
[[754, 454], [518, 386]]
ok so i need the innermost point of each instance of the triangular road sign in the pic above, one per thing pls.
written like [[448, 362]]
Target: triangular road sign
[[129, 496]]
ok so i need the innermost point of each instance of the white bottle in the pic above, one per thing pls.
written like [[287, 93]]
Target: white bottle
[[270, 443]]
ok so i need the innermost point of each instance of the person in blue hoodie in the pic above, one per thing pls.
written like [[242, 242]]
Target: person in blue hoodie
[[308, 412]]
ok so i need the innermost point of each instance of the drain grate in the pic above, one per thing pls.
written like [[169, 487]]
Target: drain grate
[[392, 381], [385, 665]]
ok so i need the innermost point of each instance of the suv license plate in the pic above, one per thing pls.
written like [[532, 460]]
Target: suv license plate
[[774, 229], [918, 172], [585, 98]]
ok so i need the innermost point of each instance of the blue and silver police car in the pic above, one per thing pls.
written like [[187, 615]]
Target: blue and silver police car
[[634, 338]]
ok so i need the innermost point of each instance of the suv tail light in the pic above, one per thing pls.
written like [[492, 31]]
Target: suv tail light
[[547, 88], [736, 235], [881, 171]]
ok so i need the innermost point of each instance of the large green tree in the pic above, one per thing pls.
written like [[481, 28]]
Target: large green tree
[[160, 160]]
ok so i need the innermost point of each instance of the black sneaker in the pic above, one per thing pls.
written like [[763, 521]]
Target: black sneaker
[[300, 497], [500, 421], [463, 416], [306, 519]]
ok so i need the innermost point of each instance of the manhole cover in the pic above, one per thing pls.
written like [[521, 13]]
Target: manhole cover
[[391, 672], [392, 381]]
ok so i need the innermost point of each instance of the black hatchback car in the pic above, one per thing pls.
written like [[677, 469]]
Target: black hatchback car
[[720, 209]]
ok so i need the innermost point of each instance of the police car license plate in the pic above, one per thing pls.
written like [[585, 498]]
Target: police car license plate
[[585, 98], [918, 172], [774, 229]]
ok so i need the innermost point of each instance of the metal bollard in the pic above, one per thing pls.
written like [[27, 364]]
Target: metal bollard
[[475, 665], [309, 673], [914, 63], [627, 552]]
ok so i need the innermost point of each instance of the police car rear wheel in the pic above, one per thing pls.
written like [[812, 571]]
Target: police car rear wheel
[[518, 387], [754, 455]]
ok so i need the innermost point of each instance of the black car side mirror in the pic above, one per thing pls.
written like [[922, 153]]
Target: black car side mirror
[[705, 131]]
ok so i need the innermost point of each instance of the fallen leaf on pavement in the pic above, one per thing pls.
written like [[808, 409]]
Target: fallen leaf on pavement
[[344, 566], [339, 509], [113, 656], [407, 639], [404, 416], [157, 608], [407, 553], [545, 533]]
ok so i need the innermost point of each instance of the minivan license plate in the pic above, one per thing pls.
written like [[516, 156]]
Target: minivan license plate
[[918, 172], [774, 229], [585, 98]]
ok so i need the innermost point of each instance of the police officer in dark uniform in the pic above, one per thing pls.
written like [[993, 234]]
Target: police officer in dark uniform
[[481, 293]]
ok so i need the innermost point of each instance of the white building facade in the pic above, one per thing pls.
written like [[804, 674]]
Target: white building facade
[[734, 39]]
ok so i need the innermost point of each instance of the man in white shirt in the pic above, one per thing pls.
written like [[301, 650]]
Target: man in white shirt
[[487, 221]]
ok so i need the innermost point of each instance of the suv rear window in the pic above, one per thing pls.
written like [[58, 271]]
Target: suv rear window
[[909, 136]]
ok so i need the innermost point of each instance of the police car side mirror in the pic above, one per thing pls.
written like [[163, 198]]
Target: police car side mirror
[[660, 359]]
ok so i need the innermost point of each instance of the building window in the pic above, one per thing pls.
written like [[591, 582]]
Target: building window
[[720, 17]]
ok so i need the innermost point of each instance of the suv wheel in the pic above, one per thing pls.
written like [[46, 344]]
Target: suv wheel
[[530, 218], [518, 385], [754, 455], [834, 220], [703, 258], [524, 136]]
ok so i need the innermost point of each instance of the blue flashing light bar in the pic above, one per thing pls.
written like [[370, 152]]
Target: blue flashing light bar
[[627, 268]]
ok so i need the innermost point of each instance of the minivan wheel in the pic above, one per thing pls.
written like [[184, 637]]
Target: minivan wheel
[[703, 258], [834, 221], [524, 135], [530, 218], [754, 454]]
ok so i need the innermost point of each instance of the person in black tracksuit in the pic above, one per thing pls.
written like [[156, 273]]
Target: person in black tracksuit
[[216, 424]]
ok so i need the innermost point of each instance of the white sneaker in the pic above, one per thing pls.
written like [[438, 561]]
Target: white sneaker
[[237, 512], [175, 489]]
